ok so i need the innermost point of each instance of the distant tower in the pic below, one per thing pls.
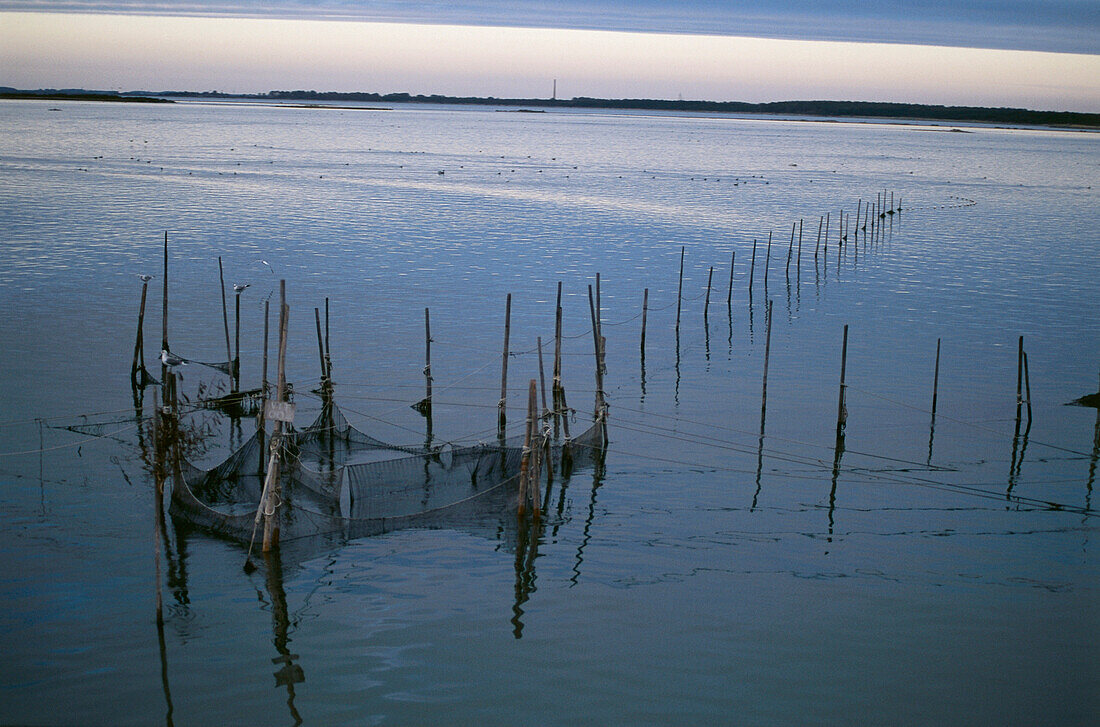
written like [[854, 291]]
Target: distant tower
[[554, 97]]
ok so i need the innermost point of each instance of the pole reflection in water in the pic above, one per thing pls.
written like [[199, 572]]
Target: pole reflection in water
[[598, 471], [838, 452], [289, 673], [527, 550]]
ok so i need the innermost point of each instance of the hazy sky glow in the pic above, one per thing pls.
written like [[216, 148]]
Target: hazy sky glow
[[280, 44]]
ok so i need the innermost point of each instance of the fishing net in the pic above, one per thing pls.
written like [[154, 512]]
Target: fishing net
[[335, 478]]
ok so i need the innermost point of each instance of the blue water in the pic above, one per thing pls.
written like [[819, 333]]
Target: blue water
[[705, 574]]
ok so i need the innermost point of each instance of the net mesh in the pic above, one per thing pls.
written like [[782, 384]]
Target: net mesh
[[335, 478]]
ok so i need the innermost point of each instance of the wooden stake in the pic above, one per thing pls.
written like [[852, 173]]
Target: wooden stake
[[1019, 373], [767, 359], [556, 391], [320, 346], [1027, 389], [798, 260], [525, 462], [729, 295], [842, 409], [272, 489], [235, 364], [542, 380], [502, 418], [679, 290], [225, 318], [936, 380], [164, 309], [790, 250], [817, 246], [138, 364], [600, 405], [706, 303], [752, 266], [767, 264], [328, 348], [645, 311], [428, 360]]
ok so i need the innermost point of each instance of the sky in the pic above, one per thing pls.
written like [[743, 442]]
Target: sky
[[1043, 55]]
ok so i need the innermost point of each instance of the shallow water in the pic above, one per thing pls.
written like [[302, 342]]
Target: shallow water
[[704, 572]]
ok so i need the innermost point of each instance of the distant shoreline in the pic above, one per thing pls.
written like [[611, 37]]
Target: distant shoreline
[[830, 109]]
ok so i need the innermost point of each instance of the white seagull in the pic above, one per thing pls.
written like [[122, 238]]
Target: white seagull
[[170, 359], [238, 288], [145, 278]]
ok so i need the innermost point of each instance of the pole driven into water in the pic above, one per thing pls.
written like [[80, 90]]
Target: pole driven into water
[[842, 408], [502, 418], [679, 290]]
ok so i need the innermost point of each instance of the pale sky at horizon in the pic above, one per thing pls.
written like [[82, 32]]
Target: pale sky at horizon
[[224, 51]]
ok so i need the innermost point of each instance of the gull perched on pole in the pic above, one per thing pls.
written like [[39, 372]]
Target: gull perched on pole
[[170, 359], [144, 278], [238, 288]]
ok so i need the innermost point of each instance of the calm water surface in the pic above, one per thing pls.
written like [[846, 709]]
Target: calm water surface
[[705, 574]]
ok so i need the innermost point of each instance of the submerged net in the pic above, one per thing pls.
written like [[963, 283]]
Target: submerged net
[[337, 479]]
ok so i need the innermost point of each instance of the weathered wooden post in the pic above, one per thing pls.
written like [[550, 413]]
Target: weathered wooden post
[[679, 290], [752, 266], [320, 347], [767, 264], [645, 311], [706, 303], [842, 408], [525, 461], [936, 379], [164, 309], [225, 319], [328, 348], [138, 364], [556, 391], [790, 251], [235, 364], [502, 418], [600, 404], [425, 407], [272, 491], [767, 359], [729, 293]]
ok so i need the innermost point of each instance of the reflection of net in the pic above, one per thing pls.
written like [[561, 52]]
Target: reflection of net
[[337, 479]]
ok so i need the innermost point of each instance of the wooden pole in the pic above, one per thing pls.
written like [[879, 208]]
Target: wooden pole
[[645, 311], [556, 390], [328, 348], [825, 252], [767, 359], [502, 418], [427, 360], [798, 260], [729, 294], [842, 409], [936, 379], [542, 380], [706, 303], [138, 364], [236, 363], [225, 318], [1019, 374], [817, 246], [679, 290], [164, 309], [767, 264], [525, 462], [752, 266], [790, 250], [1027, 390], [599, 360], [535, 451], [320, 346], [271, 486]]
